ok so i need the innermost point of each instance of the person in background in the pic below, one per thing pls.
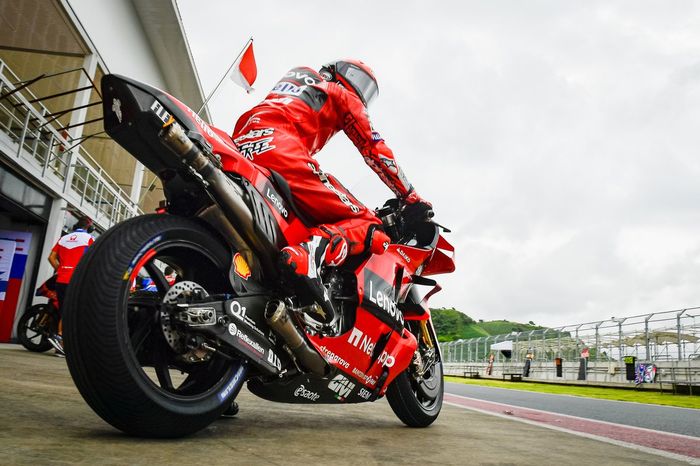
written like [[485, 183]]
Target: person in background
[[64, 257]]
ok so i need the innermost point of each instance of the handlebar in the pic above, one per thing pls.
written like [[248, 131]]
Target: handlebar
[[401, 228]]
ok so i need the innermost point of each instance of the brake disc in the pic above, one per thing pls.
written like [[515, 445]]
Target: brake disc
[[176, 339]]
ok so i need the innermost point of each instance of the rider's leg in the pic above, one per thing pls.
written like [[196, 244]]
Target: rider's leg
[[354, 230], [346, 226]]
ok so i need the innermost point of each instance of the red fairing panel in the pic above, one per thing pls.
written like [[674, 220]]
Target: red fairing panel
[[378, 320], [443, 260], [352, 351]]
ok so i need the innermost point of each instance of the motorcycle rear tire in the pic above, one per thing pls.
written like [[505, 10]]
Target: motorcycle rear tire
[[29, 319], [99, 351]]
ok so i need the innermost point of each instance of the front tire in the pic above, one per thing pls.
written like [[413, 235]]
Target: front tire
[[416, 396], [35, 327], [114, 337]]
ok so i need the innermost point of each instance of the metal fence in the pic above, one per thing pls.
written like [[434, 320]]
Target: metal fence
[[63, 165], [660, 336]]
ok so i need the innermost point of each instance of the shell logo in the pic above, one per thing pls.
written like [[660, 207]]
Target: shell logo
[[240, 266]]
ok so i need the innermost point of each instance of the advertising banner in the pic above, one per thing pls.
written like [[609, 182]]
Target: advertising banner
[[7, 253], [18, 262]]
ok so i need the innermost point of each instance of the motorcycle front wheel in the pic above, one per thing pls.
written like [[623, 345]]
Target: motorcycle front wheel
[[35, 327], [129, 363], [416, 394]]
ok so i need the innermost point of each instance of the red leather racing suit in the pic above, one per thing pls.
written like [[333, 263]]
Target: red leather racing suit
[[293, 123]]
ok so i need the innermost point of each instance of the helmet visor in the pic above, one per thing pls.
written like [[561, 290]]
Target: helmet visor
[[364, 85]]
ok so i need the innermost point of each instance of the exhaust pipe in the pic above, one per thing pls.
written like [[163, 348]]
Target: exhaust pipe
[[278, 318], [228, 195]]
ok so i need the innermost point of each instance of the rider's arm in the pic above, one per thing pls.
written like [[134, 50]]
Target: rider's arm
[[376, 153], [53, 260]]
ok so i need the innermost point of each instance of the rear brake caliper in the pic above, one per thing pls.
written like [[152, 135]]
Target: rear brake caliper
[[172, 320]]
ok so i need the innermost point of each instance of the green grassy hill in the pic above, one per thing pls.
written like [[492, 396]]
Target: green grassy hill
[[451, 324]]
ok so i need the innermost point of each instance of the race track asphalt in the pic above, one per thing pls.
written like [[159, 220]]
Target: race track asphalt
[[44, 420], [683, 421]]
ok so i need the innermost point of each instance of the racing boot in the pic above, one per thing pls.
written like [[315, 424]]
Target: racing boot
[[326, 247], [231, 411]]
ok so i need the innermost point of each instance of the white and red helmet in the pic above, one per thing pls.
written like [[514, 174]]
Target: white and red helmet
[[353, 75]]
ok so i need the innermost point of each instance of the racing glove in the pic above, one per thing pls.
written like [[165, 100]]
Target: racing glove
[[416, 209]]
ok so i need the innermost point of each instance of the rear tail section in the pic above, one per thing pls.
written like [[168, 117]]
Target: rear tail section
[[134, 113], [172, 141]]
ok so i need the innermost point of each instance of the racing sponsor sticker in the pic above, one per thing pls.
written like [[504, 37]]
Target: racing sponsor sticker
[[241, 267], [342, 387], [237, 377], [389, 164], [378, 297], [274, 198], [252, 148], [303, 392], [332, 357], [254, 134], [239, 311], [344, 198], [287, 88]]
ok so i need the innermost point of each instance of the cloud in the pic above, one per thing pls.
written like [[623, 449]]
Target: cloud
[[558, 139]]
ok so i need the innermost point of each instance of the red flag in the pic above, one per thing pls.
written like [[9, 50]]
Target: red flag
[[245, 70]]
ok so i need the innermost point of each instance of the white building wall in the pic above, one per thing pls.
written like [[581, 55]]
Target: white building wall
[[119, 37]]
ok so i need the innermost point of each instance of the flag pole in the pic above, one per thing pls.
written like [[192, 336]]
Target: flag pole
[[250, 40]]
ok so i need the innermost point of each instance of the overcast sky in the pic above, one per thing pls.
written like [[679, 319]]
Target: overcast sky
[[558, 139]]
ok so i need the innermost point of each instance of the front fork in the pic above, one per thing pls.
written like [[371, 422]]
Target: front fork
[[423, 360]]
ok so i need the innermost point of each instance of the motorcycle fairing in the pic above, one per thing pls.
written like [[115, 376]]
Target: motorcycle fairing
[[378, 347], [311, 389], [372, 356], [443, 259], [280, 206]]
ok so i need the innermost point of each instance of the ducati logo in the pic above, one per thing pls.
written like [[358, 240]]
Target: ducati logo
[[117, 108]]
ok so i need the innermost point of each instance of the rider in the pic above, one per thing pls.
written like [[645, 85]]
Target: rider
[[283, 133], [64, 257]]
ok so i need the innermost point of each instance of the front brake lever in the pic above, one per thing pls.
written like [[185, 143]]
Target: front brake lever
[[445, 229]]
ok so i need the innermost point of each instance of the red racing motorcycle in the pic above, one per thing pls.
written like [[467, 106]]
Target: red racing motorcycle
[[167, 363]]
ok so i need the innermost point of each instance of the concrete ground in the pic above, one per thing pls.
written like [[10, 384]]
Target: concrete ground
[[44, 420]]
